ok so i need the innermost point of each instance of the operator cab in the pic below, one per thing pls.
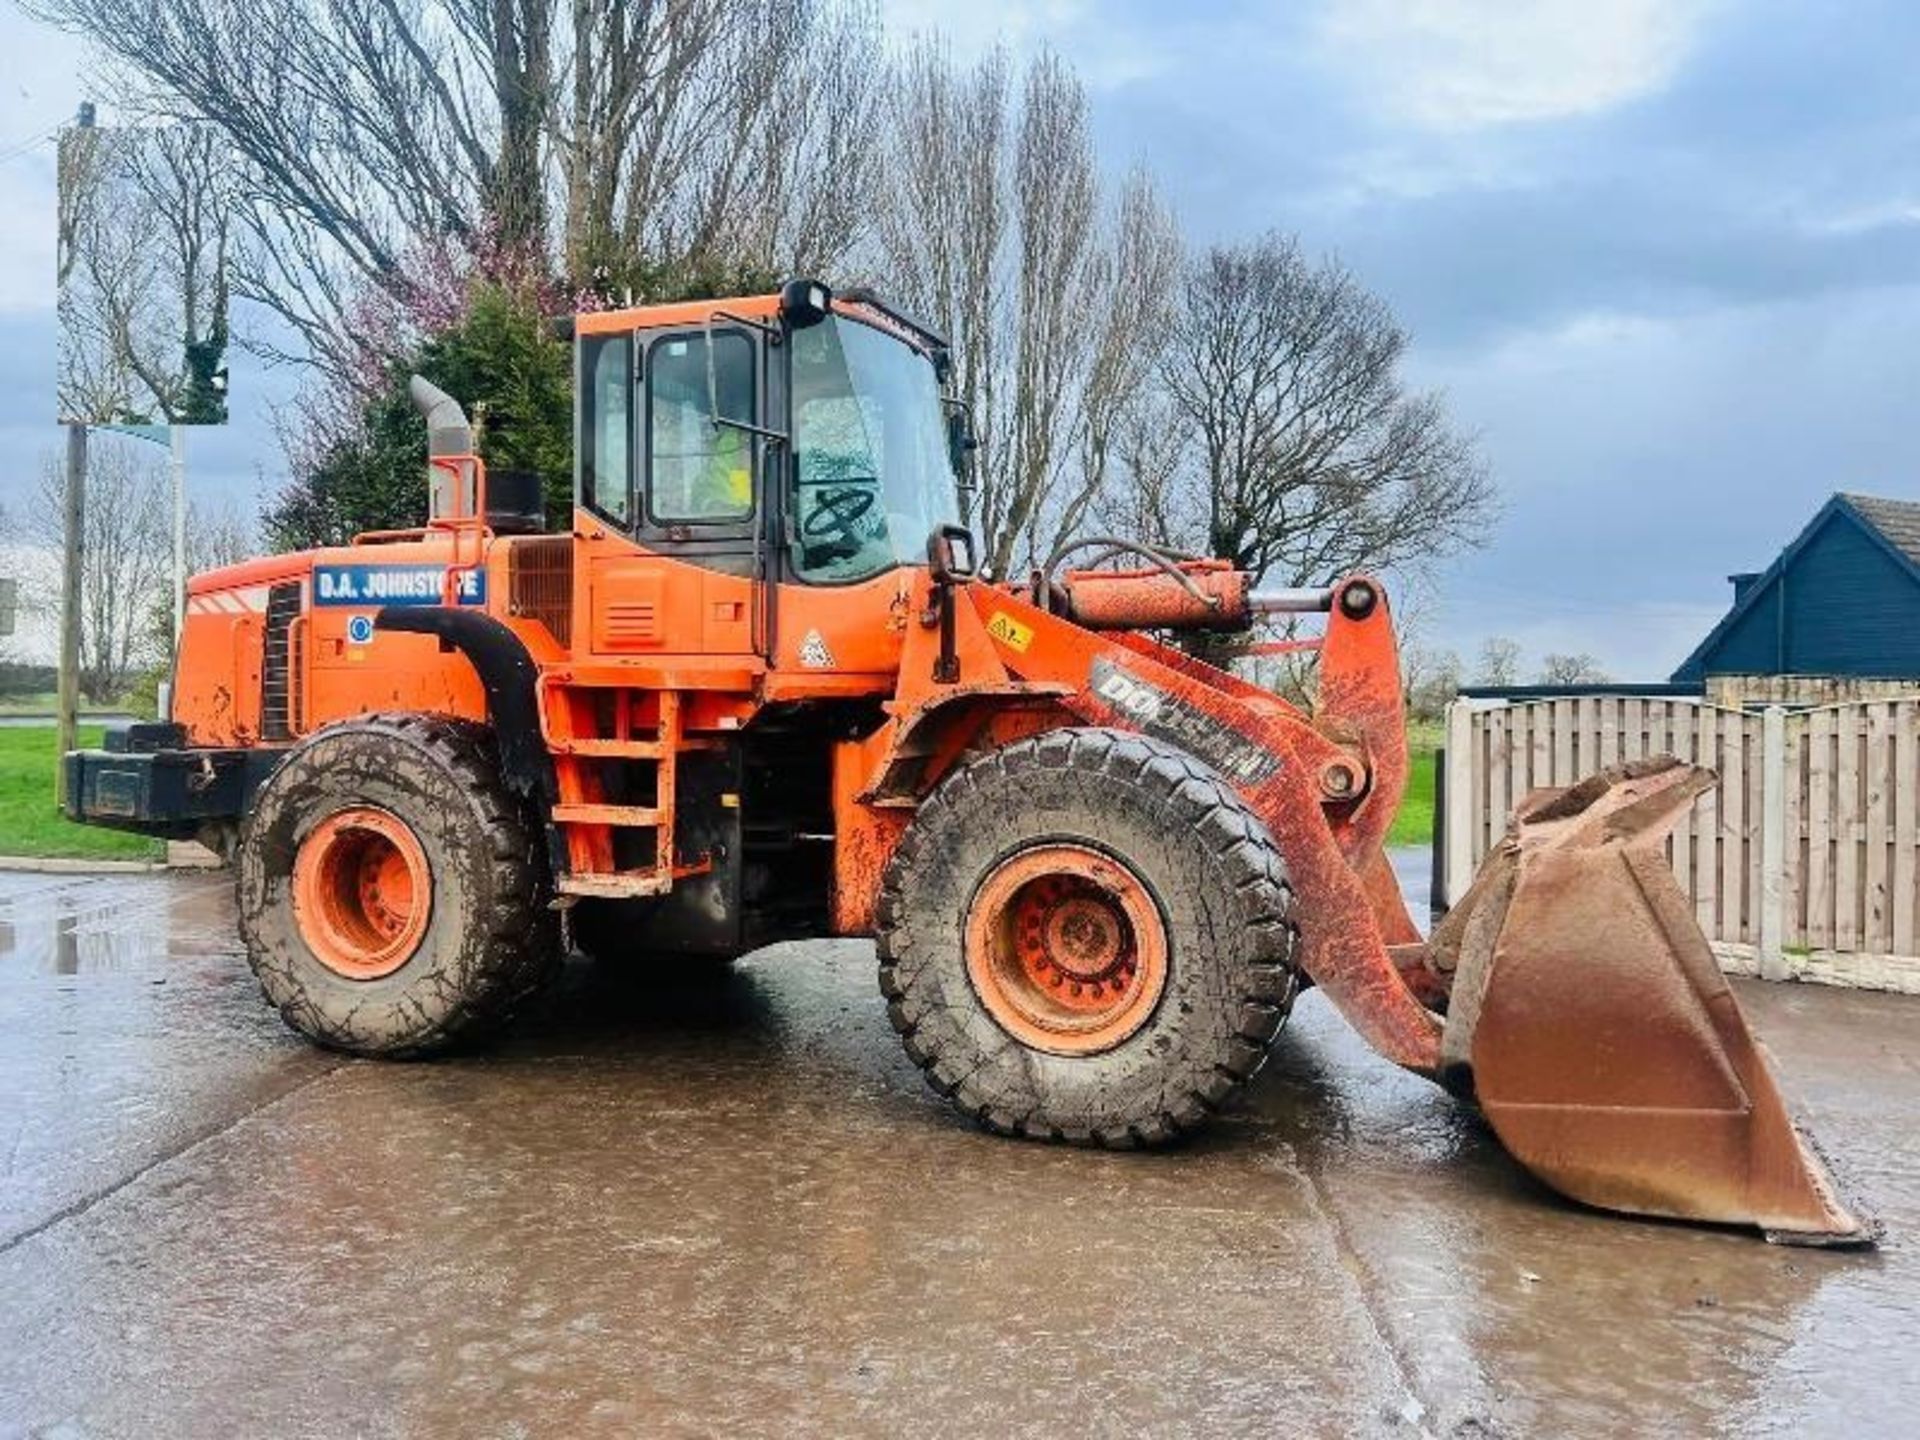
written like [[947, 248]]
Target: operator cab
[[803, 439], [779, 463]]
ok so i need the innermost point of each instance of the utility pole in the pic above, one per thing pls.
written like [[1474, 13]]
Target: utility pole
[[177, 445], [73, 535]]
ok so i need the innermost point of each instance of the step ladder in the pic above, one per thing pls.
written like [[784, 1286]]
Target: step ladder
[[590, 823]]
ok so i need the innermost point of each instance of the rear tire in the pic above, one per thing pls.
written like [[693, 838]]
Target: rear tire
[[1086, 937], [392, 895]]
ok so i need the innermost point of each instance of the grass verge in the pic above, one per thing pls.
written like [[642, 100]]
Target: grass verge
[[31, 825], [1414, 824], [45, 702]]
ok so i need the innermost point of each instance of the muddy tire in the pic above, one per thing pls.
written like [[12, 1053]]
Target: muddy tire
[[1086, 937], [393, 897]]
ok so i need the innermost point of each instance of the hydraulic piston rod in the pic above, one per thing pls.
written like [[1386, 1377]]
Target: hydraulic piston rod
[[1291, 601]]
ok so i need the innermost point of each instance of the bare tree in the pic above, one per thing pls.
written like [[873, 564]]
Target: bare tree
[[1310, 457], [183, 175], [9, 591], [736, 156], [614, 143], [1133, 283], [217, 535], [1430, 679], [1003, 237], [364, 126], [1571, 670], [1499, 662], [143, 237], [125, 550], [96, 379], [942, 246]]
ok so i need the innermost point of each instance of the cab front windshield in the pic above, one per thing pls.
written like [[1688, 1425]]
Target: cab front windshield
[[874, 474]]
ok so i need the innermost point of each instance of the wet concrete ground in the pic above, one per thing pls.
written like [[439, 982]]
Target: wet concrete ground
[[731, 1205]]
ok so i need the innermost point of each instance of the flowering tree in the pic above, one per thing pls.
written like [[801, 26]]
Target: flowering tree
[[361, 461]]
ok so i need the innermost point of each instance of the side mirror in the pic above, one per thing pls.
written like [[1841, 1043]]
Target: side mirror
[[951, 554], [961, 441], [804, 303]]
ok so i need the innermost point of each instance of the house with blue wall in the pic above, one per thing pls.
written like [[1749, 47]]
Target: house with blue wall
[[1842, 600]]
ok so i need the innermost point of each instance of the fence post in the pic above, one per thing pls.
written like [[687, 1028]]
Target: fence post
[[1437, 870], [1773, 843], [1457, 819]]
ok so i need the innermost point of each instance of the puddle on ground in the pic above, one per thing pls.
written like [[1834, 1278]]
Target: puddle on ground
[[696, 1202]]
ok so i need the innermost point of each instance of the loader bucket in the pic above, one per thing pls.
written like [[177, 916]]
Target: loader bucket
[[1589, 1018]]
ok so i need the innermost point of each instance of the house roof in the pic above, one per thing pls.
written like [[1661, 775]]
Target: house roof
[[1895, 524], [1898, 521]]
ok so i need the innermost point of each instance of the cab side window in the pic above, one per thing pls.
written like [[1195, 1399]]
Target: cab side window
[[606, 423], [700, 472]]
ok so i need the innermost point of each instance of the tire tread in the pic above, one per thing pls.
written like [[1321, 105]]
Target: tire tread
[[518, 947], [1199, 1084]]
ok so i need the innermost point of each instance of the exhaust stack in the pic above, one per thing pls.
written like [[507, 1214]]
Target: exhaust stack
[[448, 432], [450, 489]]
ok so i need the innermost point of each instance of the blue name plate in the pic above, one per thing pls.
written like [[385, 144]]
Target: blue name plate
[[361, 586]]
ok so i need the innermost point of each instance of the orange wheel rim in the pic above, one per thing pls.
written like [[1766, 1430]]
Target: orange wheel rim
[[1066, 948], [362, 892]]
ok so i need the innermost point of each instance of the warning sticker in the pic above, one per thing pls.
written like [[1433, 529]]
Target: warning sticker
[[814, 653], [1010, 632]]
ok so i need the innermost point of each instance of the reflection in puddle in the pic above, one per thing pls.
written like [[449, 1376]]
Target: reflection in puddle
[[66, 949], [91, 925]]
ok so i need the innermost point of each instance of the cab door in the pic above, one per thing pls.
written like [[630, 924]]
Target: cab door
[[671, 543]]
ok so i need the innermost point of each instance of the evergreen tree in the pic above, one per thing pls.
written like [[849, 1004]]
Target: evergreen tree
[[515, 381]]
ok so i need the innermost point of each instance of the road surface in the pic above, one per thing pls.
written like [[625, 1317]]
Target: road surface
[[732, 1205]]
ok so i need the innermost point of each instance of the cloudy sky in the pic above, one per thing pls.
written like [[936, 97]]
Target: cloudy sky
[[1663, 255], [228, 465]]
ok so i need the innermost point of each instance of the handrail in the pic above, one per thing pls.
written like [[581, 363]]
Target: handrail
[[473, 522], [300, 674]]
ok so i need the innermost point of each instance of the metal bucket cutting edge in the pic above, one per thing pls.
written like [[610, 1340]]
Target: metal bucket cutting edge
[[1588, 1017]]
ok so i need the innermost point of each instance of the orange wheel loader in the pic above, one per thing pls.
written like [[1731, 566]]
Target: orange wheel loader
[[760, 690]]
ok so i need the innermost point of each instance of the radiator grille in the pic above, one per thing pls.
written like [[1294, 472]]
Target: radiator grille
[[280, 699], [540, 582], [632, 622]]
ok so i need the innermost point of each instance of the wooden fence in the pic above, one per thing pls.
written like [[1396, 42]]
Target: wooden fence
[[1804, 862]]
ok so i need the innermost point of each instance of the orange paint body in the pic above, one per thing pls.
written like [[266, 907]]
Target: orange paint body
[[649, 654], [679, 721], [660, 644]]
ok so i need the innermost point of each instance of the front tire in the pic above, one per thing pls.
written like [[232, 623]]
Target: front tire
[[392, 895], [1086, 936]]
